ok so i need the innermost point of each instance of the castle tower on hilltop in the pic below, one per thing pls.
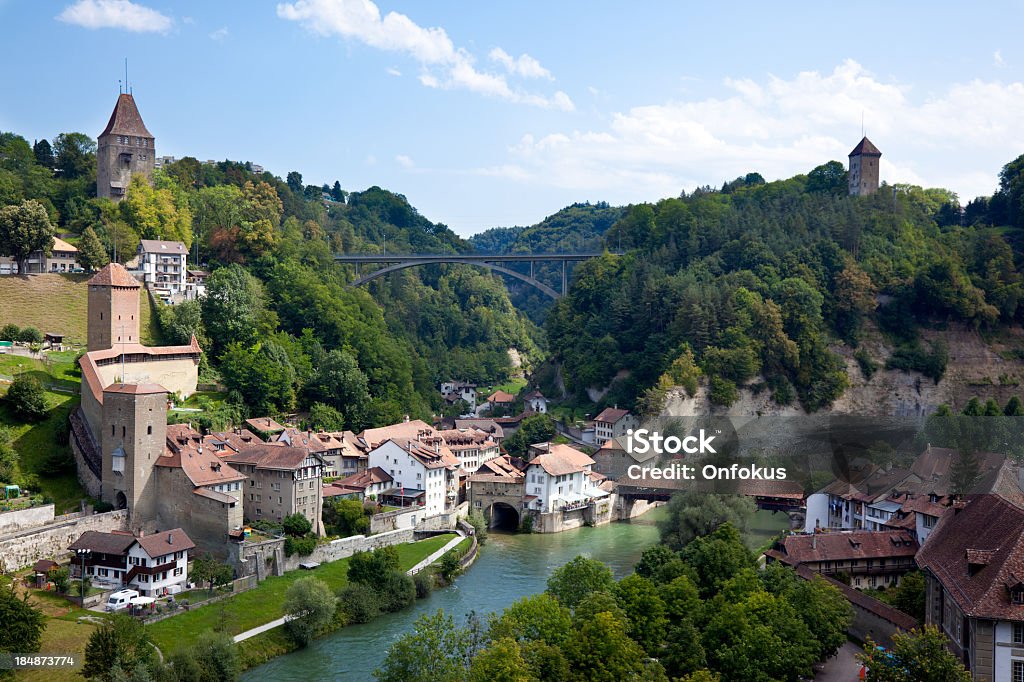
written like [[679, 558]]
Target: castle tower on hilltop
[[125, 149], [864, 169], [113, 308], [132, 436]]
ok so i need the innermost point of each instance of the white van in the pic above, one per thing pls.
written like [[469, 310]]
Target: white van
[[121, 599]]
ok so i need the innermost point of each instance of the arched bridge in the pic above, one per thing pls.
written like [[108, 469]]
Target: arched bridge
[[496, 262]]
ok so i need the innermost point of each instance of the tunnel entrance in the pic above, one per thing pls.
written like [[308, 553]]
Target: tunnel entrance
[[504, 517]]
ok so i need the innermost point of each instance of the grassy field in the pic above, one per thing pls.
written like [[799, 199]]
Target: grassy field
[[763, 526], [63, 634], [512, 386], [58, 304], [55, 369], [263, 604]]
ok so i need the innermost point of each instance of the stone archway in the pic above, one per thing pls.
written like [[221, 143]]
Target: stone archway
[[504, 517], [120, 500]]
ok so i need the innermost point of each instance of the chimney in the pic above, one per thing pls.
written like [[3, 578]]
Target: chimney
[[814, 542], [170, 538], [142, 533], [405, 419]]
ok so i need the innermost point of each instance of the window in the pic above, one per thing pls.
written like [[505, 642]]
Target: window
[[1018, 671], [1018, 633], [1017, 596], [149, 430]]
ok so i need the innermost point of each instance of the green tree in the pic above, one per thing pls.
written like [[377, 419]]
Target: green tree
[[43, 153], [537, 618], [121, 641], [91, 254], [325, 418], [435, 651], [915, 656], [345, 517], [232, 308], [23, 623], [27, 398], [693, 514], [645, 610], [61, 579], [25, 228], [309, 606], [501, 661], [296, 525], [74, 155], [601, 651], [213, 657], [361, 605], [828, 178], [30, 335], [538, 428], [179, 323], [155, 214], [909, 595], [10, 332], [206, 569], [262, 375], [717, 557], [573, 581], [372, 568]]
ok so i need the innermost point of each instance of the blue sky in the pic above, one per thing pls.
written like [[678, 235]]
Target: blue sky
[[493, 114]]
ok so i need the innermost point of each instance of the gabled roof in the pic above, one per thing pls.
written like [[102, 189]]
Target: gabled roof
[[842, 546], [562, 459], [114, 275], [166, 542], [264, 425], [364, 479], [501, 397], [865, 148], [158, 246], [104, 543], [61, 245], [534, 394], [402, 430], [977, 553], [271, 456], [487, 425], [126, 119], [201, 465], [611, 415]]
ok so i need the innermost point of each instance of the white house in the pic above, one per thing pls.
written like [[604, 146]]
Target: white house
[[163, 266], [150, 564], [612, 423], [536, 402], [471, 446], [421, 468], [454, 391], [559, 479]]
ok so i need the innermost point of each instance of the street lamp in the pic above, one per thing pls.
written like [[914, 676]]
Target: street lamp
[[83, 555]]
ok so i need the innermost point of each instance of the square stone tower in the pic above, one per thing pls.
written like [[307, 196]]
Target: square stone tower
[[864, 169], [113, 308], [125, 148], [133, 434]]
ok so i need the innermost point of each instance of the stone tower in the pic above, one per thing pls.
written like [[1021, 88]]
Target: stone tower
[[125, 148], [113, 308], [864, 169], [133, 434]]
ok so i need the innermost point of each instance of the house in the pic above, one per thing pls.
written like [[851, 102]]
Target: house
[[342, 451], [612, 423], [613, 460], [195, 284], [558, 479], [488, 426], [422, 469], [536, 402], [868, 558], [500, 402], [366, 484], [151, 564], [63, 258], [403, 430], [974, 572], [496, 490], [283, 480], [264, 427], [471, 446], [454, 391], [163, 266]]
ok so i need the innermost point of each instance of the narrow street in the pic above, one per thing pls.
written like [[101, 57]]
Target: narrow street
[[843, 667]]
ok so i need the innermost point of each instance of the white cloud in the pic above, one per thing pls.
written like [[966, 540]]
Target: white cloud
[[525, 66], [997, 59], [404, 161], [779, 127], [115, 14], [392, 71], [444, 65], [220, 34]]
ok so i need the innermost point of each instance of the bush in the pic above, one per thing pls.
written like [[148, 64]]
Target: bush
[[311, 605], [26, 398], [301, 546], [61, 579], [479, 524], [424, 581], [30, 335], [296, 525], [10, 332], [373, 568], [397, 591], [722, 391], [359, 604], [868, 367], [102, 506], [913, 357], [450, 565]]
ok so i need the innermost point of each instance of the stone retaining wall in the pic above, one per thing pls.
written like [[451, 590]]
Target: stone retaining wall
[[14, 521], [52, 540]]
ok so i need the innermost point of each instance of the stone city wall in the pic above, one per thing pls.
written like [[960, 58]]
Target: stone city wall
[[14, 521], [51, 541]]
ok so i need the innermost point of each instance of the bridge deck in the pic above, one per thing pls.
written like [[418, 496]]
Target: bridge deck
[[462, 257]]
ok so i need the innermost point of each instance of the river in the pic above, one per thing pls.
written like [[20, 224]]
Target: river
[[510, 566]]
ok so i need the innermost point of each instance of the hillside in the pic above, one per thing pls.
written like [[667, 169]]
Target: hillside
[[58, 304]]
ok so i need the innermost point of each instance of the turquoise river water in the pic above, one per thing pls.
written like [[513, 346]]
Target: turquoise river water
[[509, 567]]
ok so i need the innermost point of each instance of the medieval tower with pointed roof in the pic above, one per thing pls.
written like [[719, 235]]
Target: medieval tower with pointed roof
[[864, 169], [126, 148]]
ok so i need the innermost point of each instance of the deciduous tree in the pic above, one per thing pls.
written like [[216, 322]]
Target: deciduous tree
[[25, 228]]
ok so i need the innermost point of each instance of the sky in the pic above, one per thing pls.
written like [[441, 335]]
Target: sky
[[497, 114]]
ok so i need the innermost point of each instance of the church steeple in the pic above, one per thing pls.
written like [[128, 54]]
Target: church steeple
[[126, 148]]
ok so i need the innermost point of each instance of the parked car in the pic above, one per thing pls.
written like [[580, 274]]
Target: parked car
[[121, 600]]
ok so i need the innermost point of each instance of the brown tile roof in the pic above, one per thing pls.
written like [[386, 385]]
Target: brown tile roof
[[61, 245], [271, 456], [841, 546], [184, 450], [866, 148], [988, 531], [500, 469], [399, 431], [138, 349], [534, 394], [306, 439], [158, 246], [236, 440], [126, 119], [135, 389], [431, 452], [44, 566], [462, 439], [501, 397], [611, 415], [790, 490], [487, 425], [104, 543], [264, 425], [562, 459], [365, 479], [166, 542], [114, 275]]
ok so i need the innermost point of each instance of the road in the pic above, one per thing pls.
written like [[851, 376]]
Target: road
[[843, 667]]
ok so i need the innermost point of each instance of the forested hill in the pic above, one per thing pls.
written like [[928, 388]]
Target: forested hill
[[759, 285], [280, 326]]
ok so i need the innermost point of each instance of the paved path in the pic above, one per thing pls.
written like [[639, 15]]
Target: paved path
[[843, 667], [415, 569]]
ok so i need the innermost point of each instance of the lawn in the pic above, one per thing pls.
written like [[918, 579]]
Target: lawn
[[459, 549], [63, 634], [263, 604], [763, 526], [512, 386], [55, 369], [35, 443], [59, 304]]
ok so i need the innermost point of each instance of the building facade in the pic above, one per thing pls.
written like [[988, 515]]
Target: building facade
[[151, 564], [125, 148], [868, 558], [612, 423], [420, 465], [63, 258], [163, 266], [282, 480]]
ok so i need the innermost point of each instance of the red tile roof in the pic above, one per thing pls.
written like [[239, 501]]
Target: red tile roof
[[184, 450], [126, 119], [842, 546], [365, 479], [270, 456], [501, 397], [611, 415], [114, 275], [562, 459], [166, 542], [977, 553], [135, 389]]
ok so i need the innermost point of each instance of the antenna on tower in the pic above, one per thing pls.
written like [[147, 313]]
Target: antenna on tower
[[862, 133], [126, 88]]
